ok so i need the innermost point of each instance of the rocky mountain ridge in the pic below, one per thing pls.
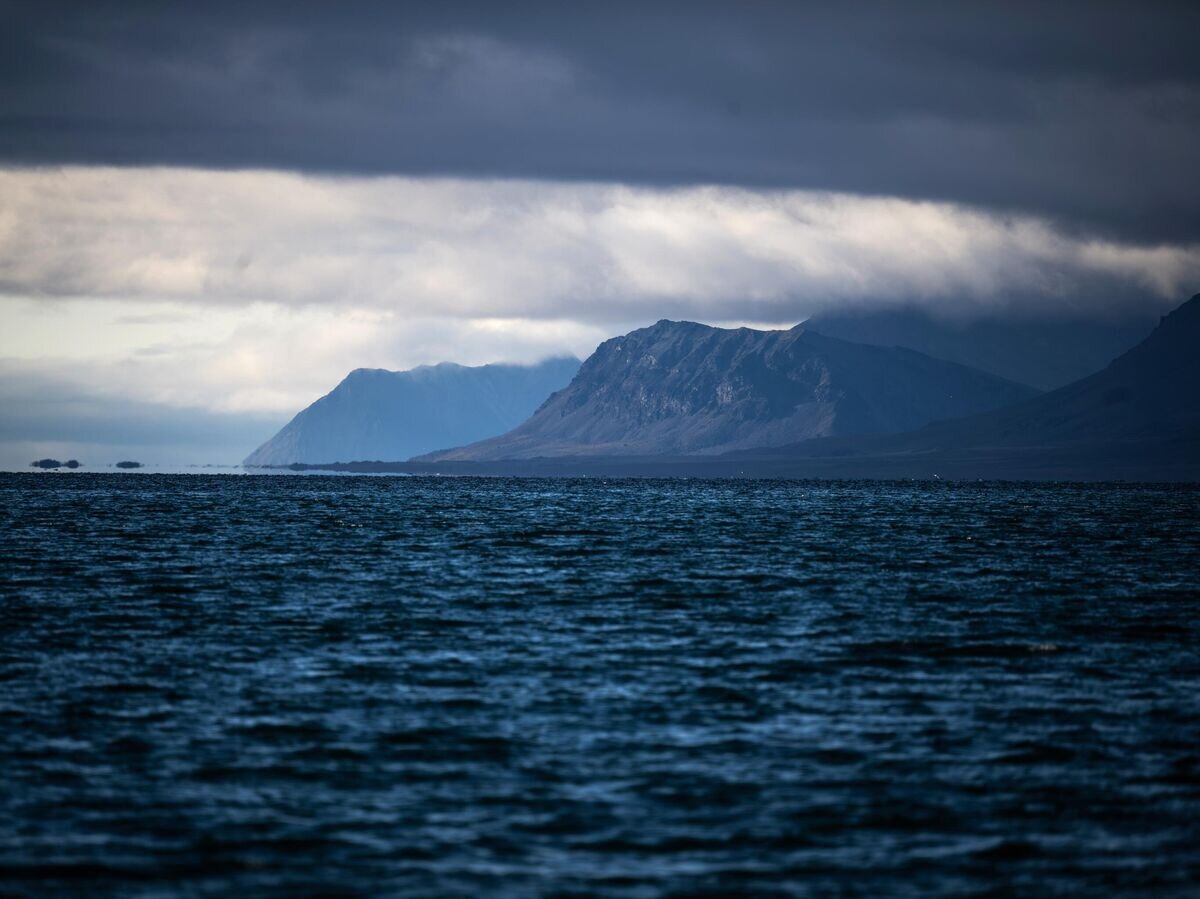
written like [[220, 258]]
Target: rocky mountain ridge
[[687, 388]]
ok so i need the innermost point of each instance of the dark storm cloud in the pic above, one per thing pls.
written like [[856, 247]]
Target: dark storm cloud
[[1088, 113]]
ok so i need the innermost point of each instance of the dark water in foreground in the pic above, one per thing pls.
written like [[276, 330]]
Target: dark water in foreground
[[283, 686]]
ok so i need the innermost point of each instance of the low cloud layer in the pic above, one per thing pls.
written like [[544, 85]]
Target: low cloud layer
[[583, 253]]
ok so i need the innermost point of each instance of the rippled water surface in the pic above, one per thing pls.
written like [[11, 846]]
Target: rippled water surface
[[287, 686]]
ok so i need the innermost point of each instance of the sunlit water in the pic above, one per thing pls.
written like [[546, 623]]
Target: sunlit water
[[283, 686]]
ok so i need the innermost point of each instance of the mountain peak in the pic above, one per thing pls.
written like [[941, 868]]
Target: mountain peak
[[666, 324], [684, 387], [1186, 315], [1173, 344]]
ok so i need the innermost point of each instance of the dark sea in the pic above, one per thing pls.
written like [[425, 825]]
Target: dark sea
[[354, 686]]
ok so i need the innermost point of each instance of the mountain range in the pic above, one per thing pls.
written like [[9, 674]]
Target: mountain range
[[684, 388], [680, 398], [393, 415], [1136, 419]]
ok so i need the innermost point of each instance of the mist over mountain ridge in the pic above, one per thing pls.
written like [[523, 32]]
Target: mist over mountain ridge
[[1150, 394], [1044, 352]]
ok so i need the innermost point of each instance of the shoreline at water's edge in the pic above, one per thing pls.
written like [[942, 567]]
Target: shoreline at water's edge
[[347, 472], [1131, 462]]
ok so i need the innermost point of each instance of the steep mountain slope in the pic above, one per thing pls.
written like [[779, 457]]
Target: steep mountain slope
[[1139, 417], [1045, 352], [685, 388], [388, 415]]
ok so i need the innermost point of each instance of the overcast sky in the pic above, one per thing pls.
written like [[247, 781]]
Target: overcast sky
[[210, 212]]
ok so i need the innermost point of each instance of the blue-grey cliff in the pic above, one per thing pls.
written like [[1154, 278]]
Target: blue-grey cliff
[[391, 416]]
